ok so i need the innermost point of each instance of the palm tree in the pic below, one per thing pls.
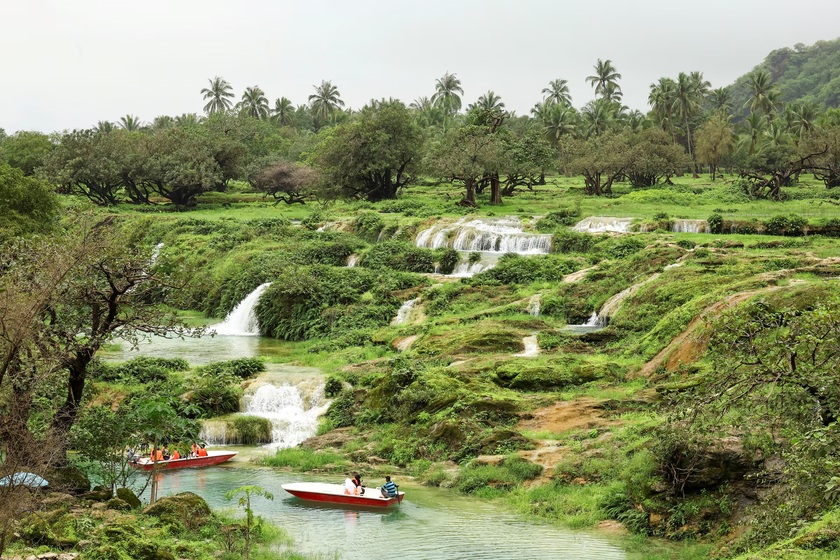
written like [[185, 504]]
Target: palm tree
[[753, 129], [130, 123], [489, 102], [661, 100], [187, 119], [559, 121], [104, 127], [557, 93], [446, 95], [765, 94], [219, 96], [163, 121], [598, 117], [284, 112], [254, 103], [421, 104], [324, 101], [605, 74], [688, 93], [721, 100], [612, 92], [800, 117], [541, 110]]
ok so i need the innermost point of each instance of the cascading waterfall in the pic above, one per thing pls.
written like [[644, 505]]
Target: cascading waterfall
[[489, 237], [404, 312], [691, 226], [292, 407], [601, 224], [352, 260], [533, 307], [532, 347], [242, 320]]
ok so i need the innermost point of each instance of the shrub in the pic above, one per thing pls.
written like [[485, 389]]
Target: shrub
[[332, 387], [242, 368], [570, 241], [561, 217], [400, 255], [516, 269], [217, 396], [251, 430], [792, 225], [368, 225], [715, 222], [448, 259]]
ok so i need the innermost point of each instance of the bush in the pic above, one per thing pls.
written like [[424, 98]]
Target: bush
[[792, 225], [560, 217], [368, 225], [140, 370], [242, 368], [715, 222], [570, 241], [332, 387], [251, 430], [448, 259], [217, 396], [516, 269], [400, 255]]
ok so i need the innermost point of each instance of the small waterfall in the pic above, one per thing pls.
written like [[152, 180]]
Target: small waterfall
[[691, 226], [533, 307], [466, 269], [242, 321], [600, 224], [404, 312], [292, 409], [532, 347], [214, 432], [155, 254], [352, 260], [595, 323], [485, 235]]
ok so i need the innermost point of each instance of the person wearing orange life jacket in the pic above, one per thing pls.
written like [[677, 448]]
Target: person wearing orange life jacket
[[175, 455], [194, 450], [157, 454], [202, 451]]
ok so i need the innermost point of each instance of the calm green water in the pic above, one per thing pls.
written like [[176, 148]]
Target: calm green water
[[431, 523]]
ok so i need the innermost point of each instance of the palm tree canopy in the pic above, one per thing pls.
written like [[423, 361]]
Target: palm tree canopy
[[254, 102], [605, 73], [284, 112], [219, 96], [557, 92], [130, 123], [489, 102], [764, 93], [446, 95], [325, 100]]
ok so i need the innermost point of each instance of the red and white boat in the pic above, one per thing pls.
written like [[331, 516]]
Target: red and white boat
[[212, 458], [335, 494]]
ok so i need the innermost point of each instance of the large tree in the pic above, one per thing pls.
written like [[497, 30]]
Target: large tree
[[605, 79], [26, 150], [374, 156], [284, 112], [764, 97], [557, 93], [218, 96], [689, 92], [254, 103], [447, 88], [715, 141], [285, 181]]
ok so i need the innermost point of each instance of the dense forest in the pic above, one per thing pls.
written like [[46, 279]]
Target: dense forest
[[673, 273]]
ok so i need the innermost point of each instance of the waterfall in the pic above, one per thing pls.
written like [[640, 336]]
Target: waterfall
[[242, 321], [489, 237], [155, 254], [600, 224], [352, 260], [404, 312], [292, 408], [533, 307], [531, 345], [691, 226]]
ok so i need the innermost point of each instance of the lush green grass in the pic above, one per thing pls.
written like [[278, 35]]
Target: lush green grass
[[305, 459]]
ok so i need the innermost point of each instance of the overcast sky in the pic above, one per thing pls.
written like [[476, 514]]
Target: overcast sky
[[70, 63]]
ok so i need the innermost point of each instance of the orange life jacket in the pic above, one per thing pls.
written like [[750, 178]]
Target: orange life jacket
[[175, 455], [202, 452], [157, 455]]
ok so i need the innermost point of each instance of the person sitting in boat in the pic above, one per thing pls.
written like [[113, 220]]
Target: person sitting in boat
[[194, 450], [202, 451], [157, 455], [165, 452], [389, 489], [175, 455], [354, 485]]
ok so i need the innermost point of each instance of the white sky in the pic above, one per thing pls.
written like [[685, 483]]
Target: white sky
[[68, 63]]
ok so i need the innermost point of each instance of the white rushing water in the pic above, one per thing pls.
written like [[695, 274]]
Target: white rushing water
[[404, 312], [532, 347], [292, 406], [602, 224], [487, 237], [690, 226], [352, 260], [533, 307], [242, 320]]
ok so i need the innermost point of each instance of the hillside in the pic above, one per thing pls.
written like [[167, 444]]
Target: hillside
[[803, 73]]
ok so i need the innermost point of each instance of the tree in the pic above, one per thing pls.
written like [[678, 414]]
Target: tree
[[651, 156], [720, 100], [488, 102], [283, 113], [245, 493], [600, 159], [254, 103], [557, 93], [26, 150], [559, 122], [689, 91], [90, 164], [661, 100], [605, 79], [764, 95], [598, 116], [447, 88], [373, 157], [715, 141], [218, 96], [286, 181], [27, 204], [824, 142], [130, 123], [324, 102], [162, 121], [801, 117]]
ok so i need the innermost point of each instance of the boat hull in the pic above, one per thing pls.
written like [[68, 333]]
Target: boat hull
[[334, 494], [212, 458]]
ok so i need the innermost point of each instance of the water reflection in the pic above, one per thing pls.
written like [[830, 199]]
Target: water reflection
[[197, 351], [430, 523]]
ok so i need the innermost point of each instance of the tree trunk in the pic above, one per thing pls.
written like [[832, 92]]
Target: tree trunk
[[469, 195], [495, 189], [690, 151]]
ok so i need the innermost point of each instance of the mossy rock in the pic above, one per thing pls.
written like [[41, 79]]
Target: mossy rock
[[128, 496], [186, 507], [35, 530], [120, 533], [69, 479], [525, 376], [118, 504], [98, 495]]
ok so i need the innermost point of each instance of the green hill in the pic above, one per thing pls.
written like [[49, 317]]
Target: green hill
[[802, 73]]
